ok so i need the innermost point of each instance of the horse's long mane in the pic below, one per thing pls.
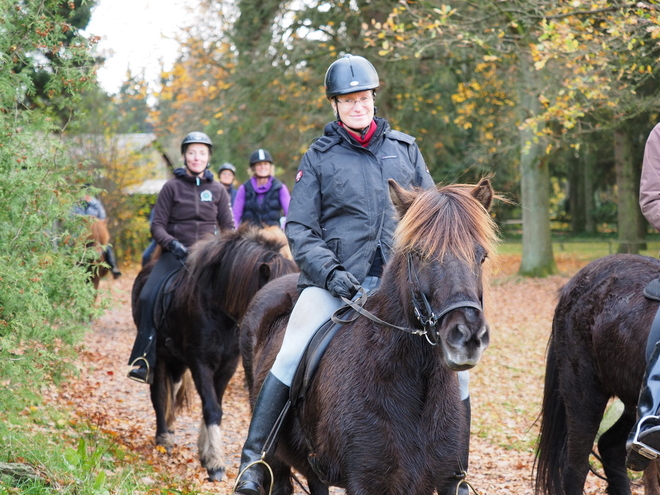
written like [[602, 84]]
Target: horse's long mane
[[446, 220], [221, 269]]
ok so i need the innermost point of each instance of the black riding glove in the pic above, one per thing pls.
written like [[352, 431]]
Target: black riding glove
[[178, 250], [342, 284]]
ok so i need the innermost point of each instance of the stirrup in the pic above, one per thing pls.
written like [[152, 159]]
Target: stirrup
[[640, 447], [147, 378], [254, 463], [462, 476]]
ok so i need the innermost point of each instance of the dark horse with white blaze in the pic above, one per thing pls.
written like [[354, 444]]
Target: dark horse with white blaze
[[383, 413], [596, 352], [198, 329]]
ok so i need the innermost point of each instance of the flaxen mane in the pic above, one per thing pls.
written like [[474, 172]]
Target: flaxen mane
[[448, 220]]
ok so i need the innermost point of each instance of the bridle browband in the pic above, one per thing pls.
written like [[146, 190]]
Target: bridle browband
[[425, 315]]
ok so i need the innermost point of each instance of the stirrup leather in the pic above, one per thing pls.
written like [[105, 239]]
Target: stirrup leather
[[135, 363]]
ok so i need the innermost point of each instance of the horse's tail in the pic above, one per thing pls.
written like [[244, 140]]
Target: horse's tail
[[179, 395], [551, 447]]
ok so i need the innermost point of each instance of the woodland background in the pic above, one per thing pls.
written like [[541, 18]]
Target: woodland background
[[554, 99]]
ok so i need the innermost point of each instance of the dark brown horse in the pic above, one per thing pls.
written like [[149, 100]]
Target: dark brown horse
[[596, 352], [198, 329], [382, 415]]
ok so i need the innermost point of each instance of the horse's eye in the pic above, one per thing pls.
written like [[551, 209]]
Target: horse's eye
[[484, 257]]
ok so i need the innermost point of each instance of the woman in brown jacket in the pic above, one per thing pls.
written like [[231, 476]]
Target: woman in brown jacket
[[190, 206]]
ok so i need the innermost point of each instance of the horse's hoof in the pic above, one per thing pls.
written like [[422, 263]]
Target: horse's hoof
[[216, 474], [165, 440]]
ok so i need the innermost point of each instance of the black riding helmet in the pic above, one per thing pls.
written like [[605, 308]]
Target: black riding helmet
[[261, 155], [350, 74], [227, 166], [196, 137]]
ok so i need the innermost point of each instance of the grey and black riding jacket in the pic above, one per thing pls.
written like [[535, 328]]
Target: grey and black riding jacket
[[340, 211]]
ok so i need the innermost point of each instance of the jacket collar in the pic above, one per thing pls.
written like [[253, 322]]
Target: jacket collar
[[180, 173]]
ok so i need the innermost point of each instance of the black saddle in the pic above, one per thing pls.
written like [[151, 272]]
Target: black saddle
[[164, 296], [314, 352]]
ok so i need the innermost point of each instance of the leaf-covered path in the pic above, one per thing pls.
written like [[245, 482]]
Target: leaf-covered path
[[506, 389]]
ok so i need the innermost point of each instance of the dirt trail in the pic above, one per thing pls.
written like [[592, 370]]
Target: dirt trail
[[506, 389]]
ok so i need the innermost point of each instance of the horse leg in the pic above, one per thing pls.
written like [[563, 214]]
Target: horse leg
[[160, 400], [612, 449], [282, 479], [652, 479], [211, 388], [584, 412]]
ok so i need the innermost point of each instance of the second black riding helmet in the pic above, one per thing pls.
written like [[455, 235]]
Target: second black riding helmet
[[350, 74], [196, 137]]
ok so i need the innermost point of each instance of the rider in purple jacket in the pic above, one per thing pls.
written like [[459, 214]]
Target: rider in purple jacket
[[263, 200]]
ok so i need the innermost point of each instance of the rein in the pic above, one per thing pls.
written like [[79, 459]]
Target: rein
[[426, 316]]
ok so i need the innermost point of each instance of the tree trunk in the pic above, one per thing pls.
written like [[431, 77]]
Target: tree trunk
[[537, 257], [577, 192], [627, 186], [588, 169]]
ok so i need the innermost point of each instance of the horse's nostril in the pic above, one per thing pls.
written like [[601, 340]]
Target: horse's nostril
[[459, 334]]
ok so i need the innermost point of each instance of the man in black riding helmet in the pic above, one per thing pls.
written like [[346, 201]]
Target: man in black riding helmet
[[340, 228], [189, 207]]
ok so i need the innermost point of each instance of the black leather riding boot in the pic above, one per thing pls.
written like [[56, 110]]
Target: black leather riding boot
[[269, 412], [643, 443], [457, 486], [111, 260]]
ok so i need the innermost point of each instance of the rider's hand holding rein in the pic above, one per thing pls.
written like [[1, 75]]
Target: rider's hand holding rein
[[178, 250], [342, 284]]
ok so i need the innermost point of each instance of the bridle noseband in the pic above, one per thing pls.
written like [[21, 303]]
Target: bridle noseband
[[425, 315]]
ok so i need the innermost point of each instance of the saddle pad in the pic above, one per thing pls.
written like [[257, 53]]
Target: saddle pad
[[652, 289], [314, 352]]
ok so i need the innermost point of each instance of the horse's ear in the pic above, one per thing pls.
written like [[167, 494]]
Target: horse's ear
[[483, 192], [401, 198], [264, 273]]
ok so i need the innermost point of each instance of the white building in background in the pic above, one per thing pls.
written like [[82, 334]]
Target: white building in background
[[143, 150]]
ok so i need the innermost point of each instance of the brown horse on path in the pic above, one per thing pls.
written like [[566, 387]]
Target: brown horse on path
[[382, 415], [98, 237], [596, 352], [197, 329]]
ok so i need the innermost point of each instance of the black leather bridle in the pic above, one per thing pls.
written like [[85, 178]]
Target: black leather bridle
[[425, 315]]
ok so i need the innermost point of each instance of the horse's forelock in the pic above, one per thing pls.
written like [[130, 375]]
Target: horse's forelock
[[446, 221]]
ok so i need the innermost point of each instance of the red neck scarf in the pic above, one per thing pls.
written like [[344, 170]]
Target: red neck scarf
[[364, 141]]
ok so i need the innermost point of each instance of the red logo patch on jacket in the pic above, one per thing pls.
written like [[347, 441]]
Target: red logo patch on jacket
[[299, 175]]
